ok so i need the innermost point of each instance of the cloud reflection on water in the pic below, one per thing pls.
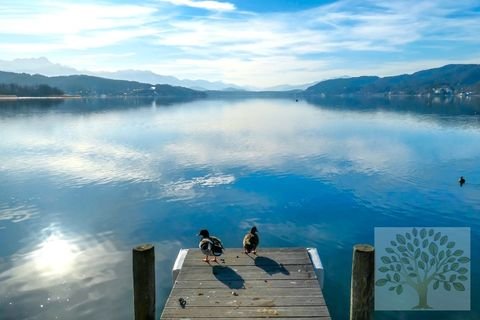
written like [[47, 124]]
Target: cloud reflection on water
[[258, 134], [186, 189], [17, 214], [373, 154], [244, 157]]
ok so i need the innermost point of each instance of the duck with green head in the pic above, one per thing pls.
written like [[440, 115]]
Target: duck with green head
[[210, 246]]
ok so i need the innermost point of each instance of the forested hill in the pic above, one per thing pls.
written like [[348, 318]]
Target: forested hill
[[449, 79], [95, 86], [29, 91]]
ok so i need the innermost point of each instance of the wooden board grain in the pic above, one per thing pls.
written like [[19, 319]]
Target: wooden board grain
[[225, 312], [246, 284], [278, 283], [327, 317]]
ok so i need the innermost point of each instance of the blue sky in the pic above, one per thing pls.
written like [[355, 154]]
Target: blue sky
[[245, 42]]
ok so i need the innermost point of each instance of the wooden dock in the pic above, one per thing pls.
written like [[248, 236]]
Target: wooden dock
[[282, 283]]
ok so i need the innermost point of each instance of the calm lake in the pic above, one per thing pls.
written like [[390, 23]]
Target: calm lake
[[84, 181]]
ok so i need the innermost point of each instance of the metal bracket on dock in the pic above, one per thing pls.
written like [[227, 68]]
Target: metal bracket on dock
[[178, 264], [317, 265]]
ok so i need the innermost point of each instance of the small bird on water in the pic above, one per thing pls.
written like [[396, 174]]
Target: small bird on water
[[251, 241], [461, 181], [210, 246]]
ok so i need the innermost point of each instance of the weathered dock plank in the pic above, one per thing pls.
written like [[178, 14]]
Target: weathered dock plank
[[247, 284], [254, 301], [260, 291], [246, 261], [257, 318], [278, 283], [235, 312]]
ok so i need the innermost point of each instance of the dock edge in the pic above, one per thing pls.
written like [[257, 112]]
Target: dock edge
[[317, 265], [178, 264]]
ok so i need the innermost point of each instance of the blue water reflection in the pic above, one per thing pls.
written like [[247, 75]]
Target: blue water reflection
[[82, 182]]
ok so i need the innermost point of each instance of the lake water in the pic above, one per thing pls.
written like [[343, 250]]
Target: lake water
[[84, 181]]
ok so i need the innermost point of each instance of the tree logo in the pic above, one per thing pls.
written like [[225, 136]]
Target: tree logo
[[422, 269]]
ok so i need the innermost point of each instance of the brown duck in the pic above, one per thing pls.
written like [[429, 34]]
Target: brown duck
[[251, 241]]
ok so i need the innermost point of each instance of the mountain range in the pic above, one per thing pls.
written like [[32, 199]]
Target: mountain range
[[45, 67], [453, 79], [84, 85], [446, 80]]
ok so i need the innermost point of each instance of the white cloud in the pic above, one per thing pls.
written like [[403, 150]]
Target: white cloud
[[100, 39], [80, 41], [301, 47], [207, 5], [57, 18], [19, 49], [323, 29], [61, 26], [261, 71], [266, 49]]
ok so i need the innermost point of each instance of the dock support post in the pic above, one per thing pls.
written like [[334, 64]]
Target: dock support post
[[144, 282], [361, 294]]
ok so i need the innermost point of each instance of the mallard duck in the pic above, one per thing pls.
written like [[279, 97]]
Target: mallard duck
[[251, 241], [210, 246]]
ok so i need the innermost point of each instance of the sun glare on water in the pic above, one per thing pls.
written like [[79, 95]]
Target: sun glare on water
[[55, 256]]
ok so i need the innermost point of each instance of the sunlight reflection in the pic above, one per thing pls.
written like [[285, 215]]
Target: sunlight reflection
[[55, 256]]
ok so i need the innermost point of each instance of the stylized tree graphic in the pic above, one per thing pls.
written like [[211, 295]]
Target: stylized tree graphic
[[420, 259]]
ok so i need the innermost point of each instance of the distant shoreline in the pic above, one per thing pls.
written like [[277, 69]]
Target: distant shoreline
[[38, 98]]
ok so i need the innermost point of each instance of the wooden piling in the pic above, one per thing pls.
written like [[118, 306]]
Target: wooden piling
[[361, 294], [144, 282]]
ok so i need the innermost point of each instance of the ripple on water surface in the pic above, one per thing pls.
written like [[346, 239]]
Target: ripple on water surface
[[83, 182]]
